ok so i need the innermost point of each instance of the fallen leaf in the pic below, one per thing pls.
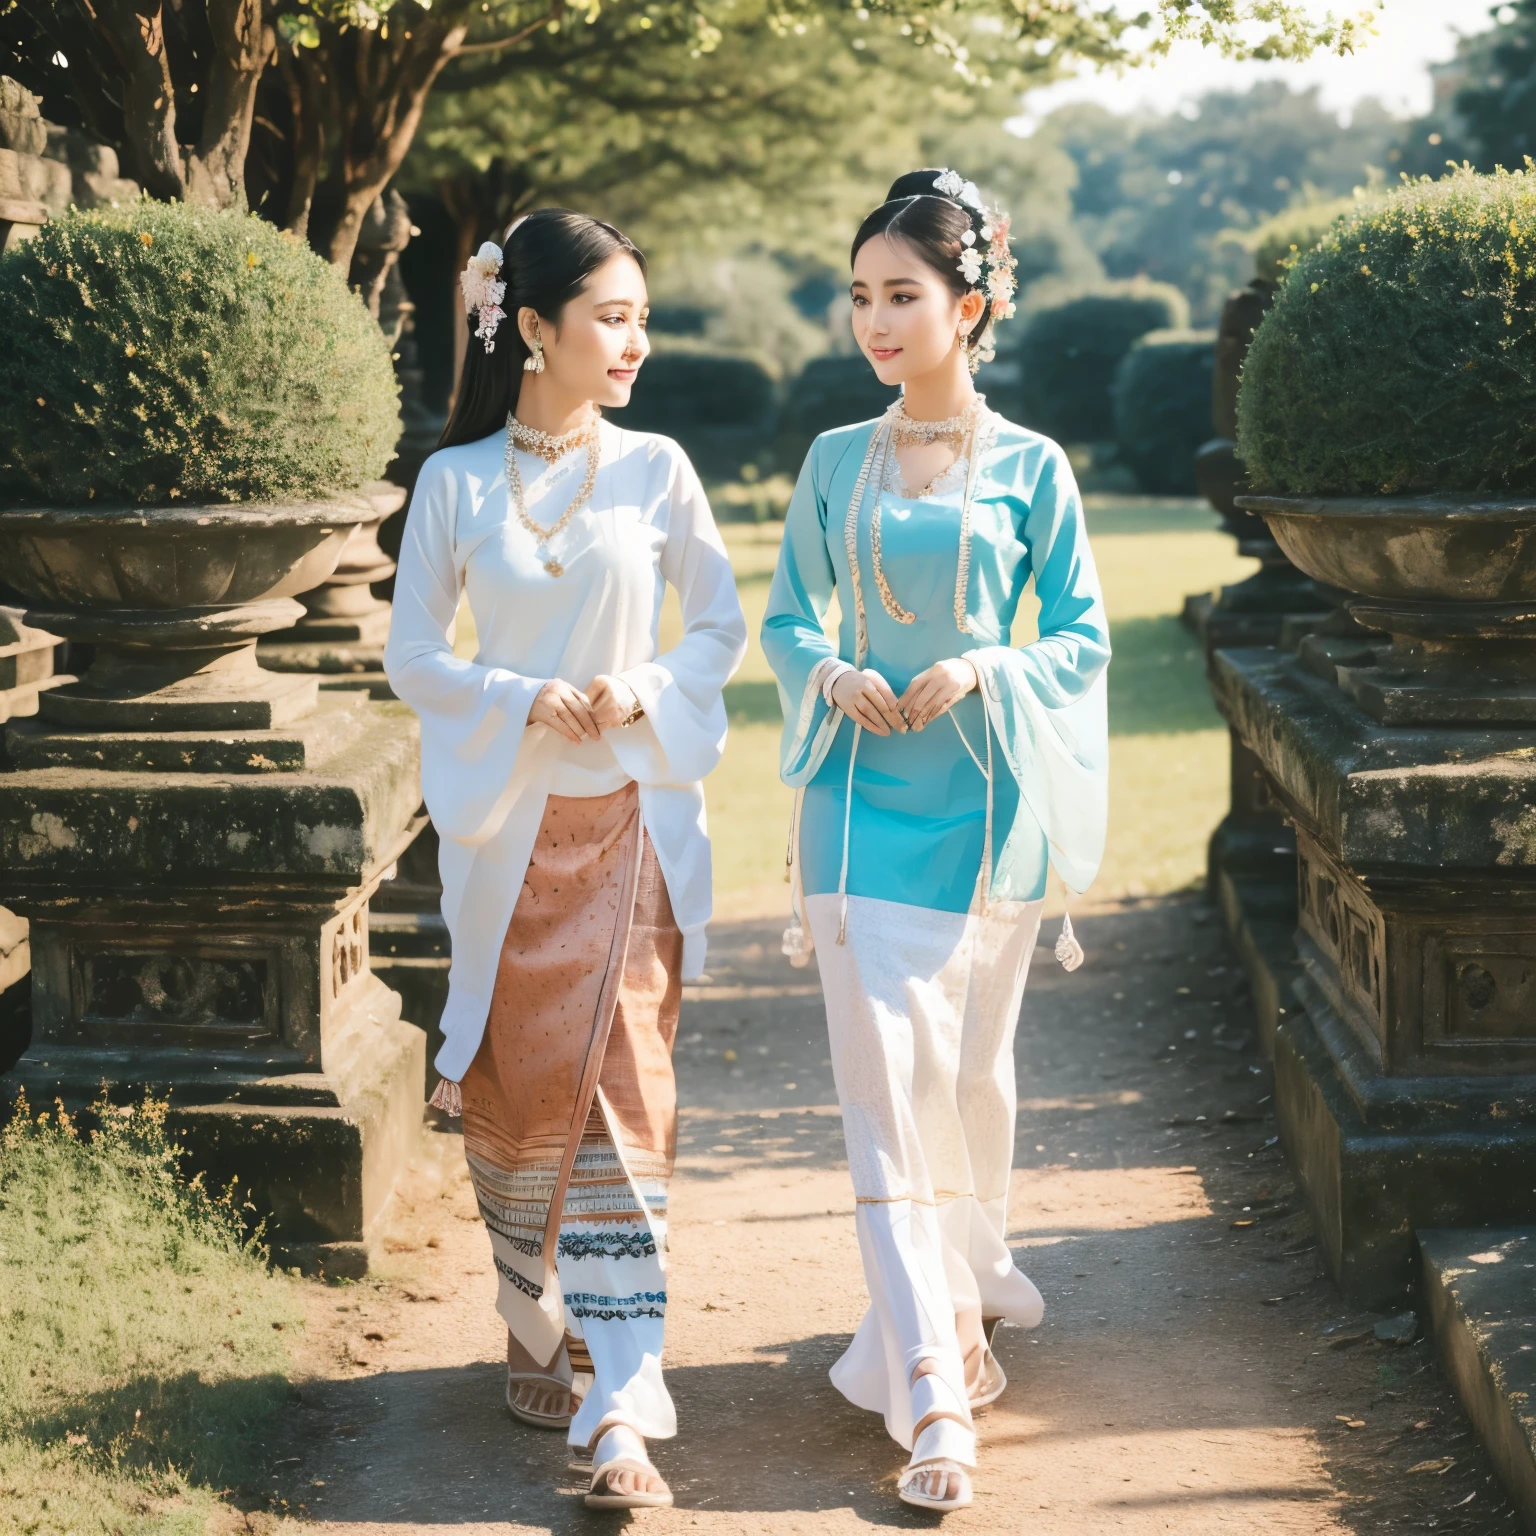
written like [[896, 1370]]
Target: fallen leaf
[[1439, 1465], [1466, 1500], [378, 1338], [1246, 1222], [1348, 1422], [1422, 1424]]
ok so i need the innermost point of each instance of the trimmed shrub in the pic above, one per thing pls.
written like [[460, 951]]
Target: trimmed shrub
[[1397, 357], [1069, 352], [165, 352], [1163, 408], [722, 409], [831, 391]]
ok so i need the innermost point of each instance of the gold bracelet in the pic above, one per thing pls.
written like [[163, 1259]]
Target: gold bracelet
[[634, 714]]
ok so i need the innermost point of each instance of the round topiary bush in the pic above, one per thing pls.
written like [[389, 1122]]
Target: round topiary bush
[[722, 409], [1163, 408], [1068, 354], [831, 391], [1400, 353], [164, 352]]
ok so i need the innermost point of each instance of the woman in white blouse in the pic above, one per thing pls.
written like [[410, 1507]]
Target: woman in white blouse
[[561, 767]]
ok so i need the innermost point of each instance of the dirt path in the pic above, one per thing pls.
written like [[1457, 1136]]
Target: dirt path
[[1194, 1372]]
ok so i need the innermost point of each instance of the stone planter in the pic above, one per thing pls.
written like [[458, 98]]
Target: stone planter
[[1450, 581], [344, 626], [173, 600], [1255, 610], [1405, 1080], [195, 841]]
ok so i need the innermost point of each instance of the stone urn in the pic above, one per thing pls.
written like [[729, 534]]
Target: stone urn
[[342, 630], [1449, 582], [172, 600], [1252, 611]]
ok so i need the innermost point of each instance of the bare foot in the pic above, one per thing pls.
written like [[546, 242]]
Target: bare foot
[[625, 1482]]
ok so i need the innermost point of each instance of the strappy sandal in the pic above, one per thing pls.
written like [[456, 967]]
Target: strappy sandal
[[945, 1446], [991, 1384], [516, 1379], [620, 1449]]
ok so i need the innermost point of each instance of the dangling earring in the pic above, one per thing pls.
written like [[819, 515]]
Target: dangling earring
[[535, 362]]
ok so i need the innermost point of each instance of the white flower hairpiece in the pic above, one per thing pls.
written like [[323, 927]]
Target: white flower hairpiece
[[990, 267], [483, 292]]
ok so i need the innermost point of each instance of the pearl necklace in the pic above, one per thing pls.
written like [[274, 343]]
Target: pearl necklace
[[551, 449], [881, 445]]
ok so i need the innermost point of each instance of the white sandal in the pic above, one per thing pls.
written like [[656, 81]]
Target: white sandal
[[991, 1385], [945, 1445], [620, 1449], [516, 1379]]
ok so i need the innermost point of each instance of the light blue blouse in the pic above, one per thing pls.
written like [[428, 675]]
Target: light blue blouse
[[918, 819]]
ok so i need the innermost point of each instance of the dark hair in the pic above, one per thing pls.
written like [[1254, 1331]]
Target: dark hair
[[545, 263], [933, 224]]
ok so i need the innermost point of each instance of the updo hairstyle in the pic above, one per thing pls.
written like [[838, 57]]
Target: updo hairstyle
[[933, 224], [545, 262]]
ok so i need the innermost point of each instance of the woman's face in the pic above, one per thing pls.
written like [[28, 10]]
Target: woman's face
[[906, 318], [595, 349]]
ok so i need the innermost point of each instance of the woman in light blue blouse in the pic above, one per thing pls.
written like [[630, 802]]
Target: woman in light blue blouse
[[940, 771]]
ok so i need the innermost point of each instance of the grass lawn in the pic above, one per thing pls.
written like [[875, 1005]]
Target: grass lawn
[[142, 1344], [1168, 749]]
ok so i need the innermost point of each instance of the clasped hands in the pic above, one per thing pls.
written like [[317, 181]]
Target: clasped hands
[[583, 714], [867, 699]]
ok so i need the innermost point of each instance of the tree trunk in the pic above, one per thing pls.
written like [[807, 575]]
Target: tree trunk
[[134, 31], [388, 115], [304, 76], [242, 42]]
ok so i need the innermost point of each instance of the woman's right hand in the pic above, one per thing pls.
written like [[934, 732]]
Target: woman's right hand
[[564, 709], [867, 699]]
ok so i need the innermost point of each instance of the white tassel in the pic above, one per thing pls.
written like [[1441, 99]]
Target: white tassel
[[447, 1097], [797, 946], [1068, 951], [842, 922]]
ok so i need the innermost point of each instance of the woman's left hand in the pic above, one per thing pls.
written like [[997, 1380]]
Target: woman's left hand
[[936, 690], [613, 701]]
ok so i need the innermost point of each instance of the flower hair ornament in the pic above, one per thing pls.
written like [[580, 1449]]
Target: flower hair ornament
[[484, 291], [988, 267]]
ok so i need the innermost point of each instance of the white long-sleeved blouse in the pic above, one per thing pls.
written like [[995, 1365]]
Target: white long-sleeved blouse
[[485, 771]]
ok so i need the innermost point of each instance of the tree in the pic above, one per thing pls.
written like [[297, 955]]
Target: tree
[[351, 80], [1160, 195]]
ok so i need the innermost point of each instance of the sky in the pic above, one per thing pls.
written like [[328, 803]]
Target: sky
[[1393, 66]]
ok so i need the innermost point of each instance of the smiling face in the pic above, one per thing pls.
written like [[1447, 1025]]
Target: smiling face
[[906, 317], [595, 348]]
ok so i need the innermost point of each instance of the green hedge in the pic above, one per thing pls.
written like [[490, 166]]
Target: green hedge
[[164, 352], [1163, 408], [723, 410], [1398, 354], [1068, 355], [830, 392], [1281, 239]]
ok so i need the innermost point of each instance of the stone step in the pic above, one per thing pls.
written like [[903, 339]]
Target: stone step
[[1480, 1289]]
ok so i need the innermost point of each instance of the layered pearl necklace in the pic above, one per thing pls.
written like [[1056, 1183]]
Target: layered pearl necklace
[[551, 449], [898, 427]]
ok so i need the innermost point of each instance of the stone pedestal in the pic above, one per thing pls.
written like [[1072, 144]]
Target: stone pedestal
[[1405, 1086], [341, 635], [29, 661], [194, 843]]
